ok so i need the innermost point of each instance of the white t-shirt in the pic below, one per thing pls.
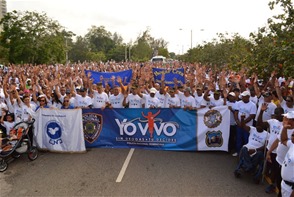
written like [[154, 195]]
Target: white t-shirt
[[151, 101], [188, 101], [199, 101], [116, 101], [287, 171], [256, 139], [267, 114], [232, 119], [8, 126], [215, 103], [285, 107], [161, 98], [27, 112], [83, 101], [172, 101], [247, 109], [99, 100], [275, 128], [282, 149], [254, 99], [135, 101], [2, 106]]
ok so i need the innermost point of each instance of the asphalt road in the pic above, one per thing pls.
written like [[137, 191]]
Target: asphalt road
[[148, 173]]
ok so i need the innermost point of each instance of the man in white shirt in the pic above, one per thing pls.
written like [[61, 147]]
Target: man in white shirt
[[274, 125], [200, 102], [133, 100], [288, 164], [172, 101], [270, 110], [150, 100], [100, 98], [116, 99], [188, 101], [82, 99], [247, 109], [251, 154]]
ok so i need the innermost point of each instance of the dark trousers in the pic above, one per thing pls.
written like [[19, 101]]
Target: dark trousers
[[241, 138], [249, 163], [232, 139]]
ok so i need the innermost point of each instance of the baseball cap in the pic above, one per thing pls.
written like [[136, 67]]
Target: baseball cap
[[188, 90], [82, 89], [245, 93], [26, 91], [153, 90], [289, 115], [232, 94]]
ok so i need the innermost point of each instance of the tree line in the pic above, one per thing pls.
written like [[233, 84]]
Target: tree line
[[30, 37]]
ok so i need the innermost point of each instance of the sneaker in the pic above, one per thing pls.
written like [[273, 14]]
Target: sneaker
[[270, 189], [235, 154]]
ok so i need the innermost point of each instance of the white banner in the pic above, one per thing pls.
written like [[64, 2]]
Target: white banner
[[60, 130], [213, 129]]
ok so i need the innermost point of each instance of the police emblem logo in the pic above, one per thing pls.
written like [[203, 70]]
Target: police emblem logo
[[212, 118], [214, 139], [92, 126]]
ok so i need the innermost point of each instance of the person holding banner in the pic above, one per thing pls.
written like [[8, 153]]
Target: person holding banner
[[116, 99], [171, 100], [100, 98], [66, 103], [188, 101], [132, 100], [199, 99], [150, 100], [82, 99], [247, 109]]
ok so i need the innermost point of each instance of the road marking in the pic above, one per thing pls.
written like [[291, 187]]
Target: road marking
[[124, 167]]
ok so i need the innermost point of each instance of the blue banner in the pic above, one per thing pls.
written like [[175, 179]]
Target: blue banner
[[164, 129], [110, 78], [169, 77]]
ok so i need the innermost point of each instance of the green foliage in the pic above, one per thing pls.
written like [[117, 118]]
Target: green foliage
[[31, 37]]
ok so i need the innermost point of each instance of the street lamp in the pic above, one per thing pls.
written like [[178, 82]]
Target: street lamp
[[191, 39]]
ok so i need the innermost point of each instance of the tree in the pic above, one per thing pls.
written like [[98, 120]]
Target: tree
[[100, 40], [274, 44], [31, 37]]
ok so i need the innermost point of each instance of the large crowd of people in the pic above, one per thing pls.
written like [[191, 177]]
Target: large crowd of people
[[262, 113]]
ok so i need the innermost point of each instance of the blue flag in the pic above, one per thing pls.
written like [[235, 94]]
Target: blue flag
[[110, 78], [170, 75]]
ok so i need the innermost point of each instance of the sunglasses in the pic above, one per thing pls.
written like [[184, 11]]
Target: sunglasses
[[288, 100], [66, 101], [42, 100]]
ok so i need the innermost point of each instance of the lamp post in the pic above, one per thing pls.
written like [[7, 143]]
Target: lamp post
[[191, 37]]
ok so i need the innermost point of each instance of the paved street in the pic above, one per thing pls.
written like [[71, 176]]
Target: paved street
[[148, 173]]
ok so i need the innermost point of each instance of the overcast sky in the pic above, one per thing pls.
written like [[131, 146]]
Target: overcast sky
[[165, 18]]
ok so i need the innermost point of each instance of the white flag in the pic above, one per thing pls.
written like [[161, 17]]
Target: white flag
[[60, 130], [213, 129]]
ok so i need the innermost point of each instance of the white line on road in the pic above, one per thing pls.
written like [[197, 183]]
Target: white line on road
[[124, 167]]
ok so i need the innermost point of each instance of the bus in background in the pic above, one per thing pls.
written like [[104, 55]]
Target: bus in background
[[158, 58]]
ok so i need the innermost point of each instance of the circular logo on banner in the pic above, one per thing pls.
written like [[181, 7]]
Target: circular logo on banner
[[212, 118], [53, 130]]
